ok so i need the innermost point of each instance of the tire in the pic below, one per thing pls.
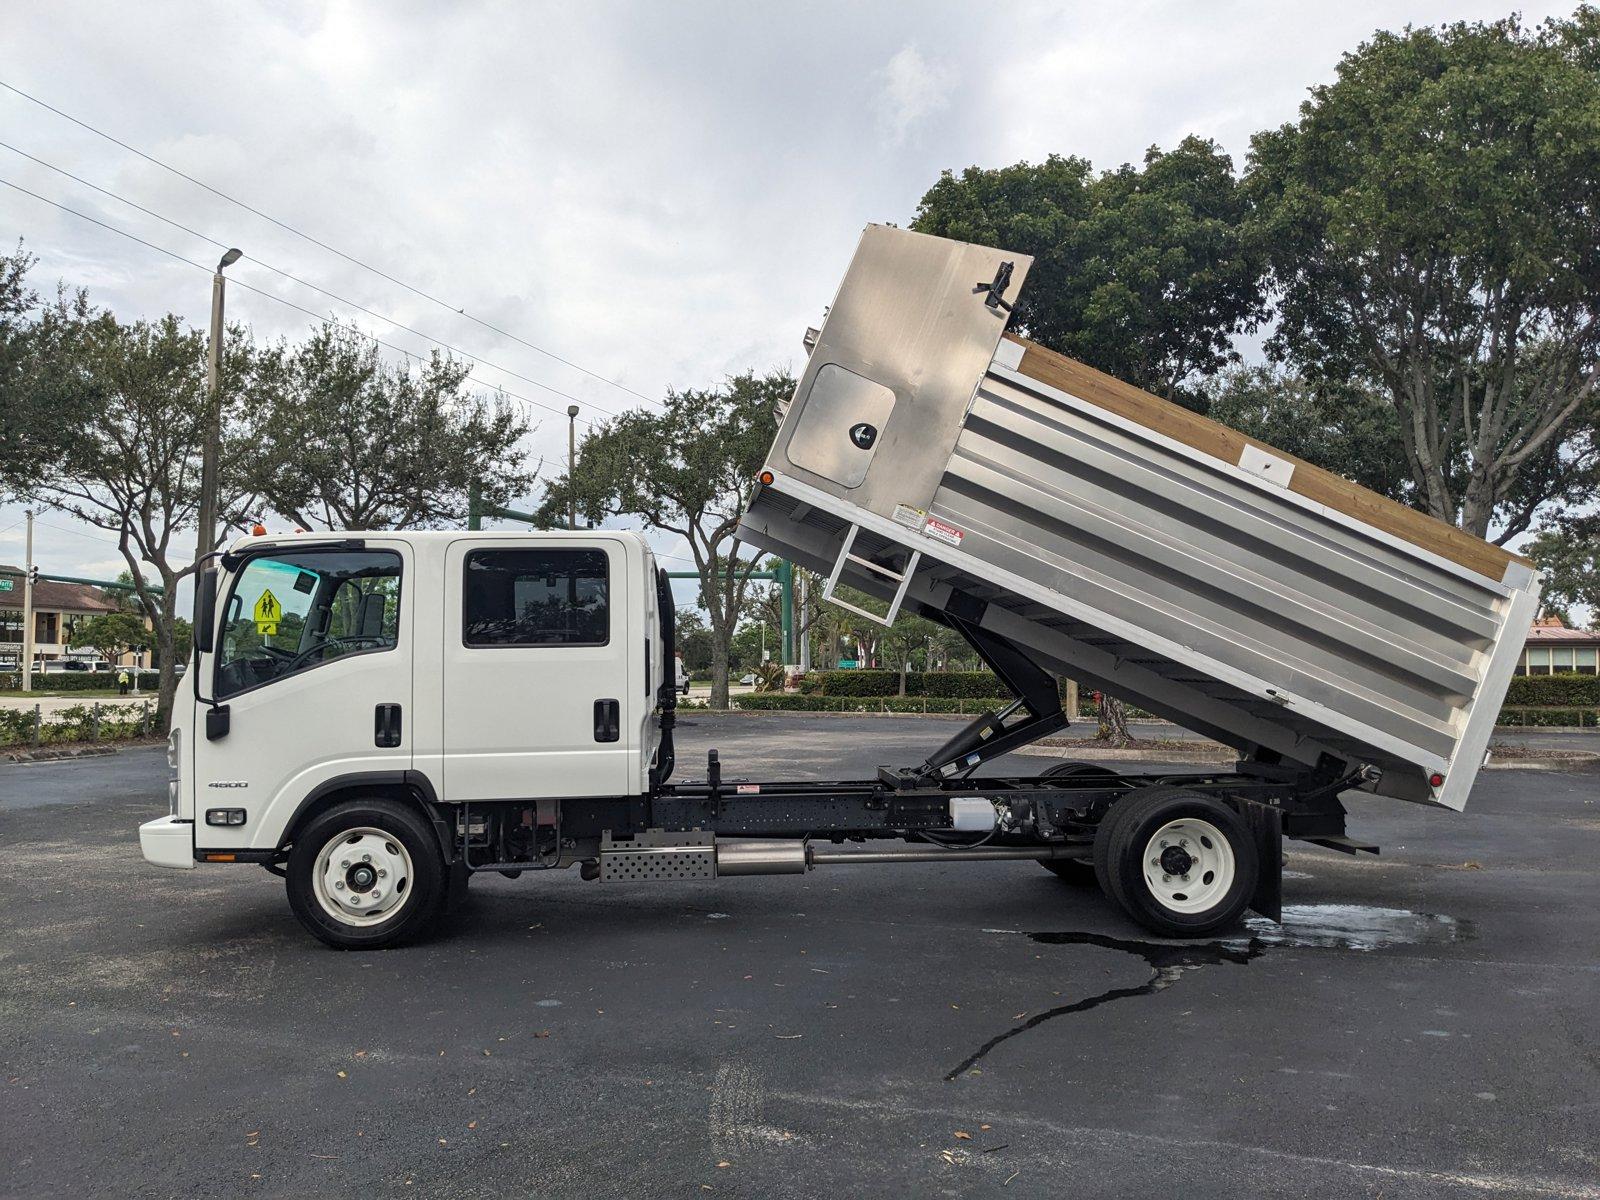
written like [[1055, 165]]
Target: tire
[[393, 866], [1180, 863]]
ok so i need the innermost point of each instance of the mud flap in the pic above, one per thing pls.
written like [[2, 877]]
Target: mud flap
[[455, 894], [1265, 822]]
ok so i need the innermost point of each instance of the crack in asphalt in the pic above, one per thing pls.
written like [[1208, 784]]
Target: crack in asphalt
[[1168, 963]]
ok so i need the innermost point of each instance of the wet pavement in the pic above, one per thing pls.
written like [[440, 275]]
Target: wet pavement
[[1424, 1023]]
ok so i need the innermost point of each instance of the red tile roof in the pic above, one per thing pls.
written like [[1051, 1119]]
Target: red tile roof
[[1555, 633]]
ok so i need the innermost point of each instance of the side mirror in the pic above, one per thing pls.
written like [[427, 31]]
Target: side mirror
[[205, 611]]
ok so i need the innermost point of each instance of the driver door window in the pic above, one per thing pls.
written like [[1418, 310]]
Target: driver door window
[[294, 611]]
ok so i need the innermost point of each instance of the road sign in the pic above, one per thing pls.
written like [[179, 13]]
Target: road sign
[[5, 585], [848, 664], [268, 610]]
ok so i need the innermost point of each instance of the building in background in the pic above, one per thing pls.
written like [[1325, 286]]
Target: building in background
[[57, 608], [1553, 649]]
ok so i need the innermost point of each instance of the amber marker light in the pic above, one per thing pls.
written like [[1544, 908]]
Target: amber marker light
[[765, 477]]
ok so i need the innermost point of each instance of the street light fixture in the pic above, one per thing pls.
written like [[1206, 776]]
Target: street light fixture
[[211, 448], [572, 466]]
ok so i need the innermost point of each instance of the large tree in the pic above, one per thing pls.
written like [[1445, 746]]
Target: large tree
[[1144, 272], [1432, 230], [337, 438], [685, 470], [122, 410]]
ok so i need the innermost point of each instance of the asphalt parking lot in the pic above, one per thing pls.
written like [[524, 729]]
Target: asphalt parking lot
[[1426, 1023]]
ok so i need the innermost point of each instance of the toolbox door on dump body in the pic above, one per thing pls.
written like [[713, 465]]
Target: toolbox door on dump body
[[536, 697], [312, 678]]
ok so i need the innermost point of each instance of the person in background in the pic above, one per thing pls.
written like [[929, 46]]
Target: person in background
[[122, 682]]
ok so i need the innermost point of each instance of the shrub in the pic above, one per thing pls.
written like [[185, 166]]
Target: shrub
[[775, 702], [77, 724], [78, 681], [948, 684], [1583, 690]]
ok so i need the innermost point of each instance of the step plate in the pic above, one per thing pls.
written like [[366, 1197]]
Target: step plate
[[642, 864]]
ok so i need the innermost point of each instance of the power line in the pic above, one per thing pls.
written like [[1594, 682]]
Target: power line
[[306, 283], [263, 292], [459, 310]]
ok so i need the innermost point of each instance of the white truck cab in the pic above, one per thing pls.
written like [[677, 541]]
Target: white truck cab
[[482, 667]]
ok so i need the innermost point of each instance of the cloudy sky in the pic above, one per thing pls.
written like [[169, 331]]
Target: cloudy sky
[[663, 194]]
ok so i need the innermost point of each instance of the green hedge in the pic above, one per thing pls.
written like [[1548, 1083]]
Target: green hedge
[[78, 681], [970, 685], [1553, 690], [779, 702]]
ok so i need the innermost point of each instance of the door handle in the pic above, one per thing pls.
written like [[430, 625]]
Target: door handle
[[386, 725], [607, 721]]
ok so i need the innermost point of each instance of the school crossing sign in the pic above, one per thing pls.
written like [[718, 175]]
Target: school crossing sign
[[268, 610]]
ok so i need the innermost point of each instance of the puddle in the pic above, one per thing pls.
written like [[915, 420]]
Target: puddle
[[1354, 927], [1315, 926]]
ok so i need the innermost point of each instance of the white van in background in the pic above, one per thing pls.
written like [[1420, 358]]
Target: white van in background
[[682, 677]]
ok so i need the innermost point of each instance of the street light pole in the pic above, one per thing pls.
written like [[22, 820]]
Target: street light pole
[[572, 466], [27, 611], [211, 448]]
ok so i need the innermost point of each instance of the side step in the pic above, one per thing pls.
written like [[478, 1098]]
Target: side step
[[658, 855]]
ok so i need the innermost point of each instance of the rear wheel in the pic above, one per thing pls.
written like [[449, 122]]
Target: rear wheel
[[1180, 863], [365, 874]]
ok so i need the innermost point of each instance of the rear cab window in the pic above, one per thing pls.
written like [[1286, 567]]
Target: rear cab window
[[544, 597]]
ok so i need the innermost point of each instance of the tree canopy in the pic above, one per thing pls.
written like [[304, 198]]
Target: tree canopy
[[1146, 273], [1431, 230], [337, 438]]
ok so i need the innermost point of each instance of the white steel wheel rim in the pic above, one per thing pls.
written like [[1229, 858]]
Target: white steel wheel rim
[[362, 876], [1210, 872]]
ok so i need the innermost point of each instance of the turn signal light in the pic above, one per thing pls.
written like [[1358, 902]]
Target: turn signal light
[[224, 816], [765, 477]]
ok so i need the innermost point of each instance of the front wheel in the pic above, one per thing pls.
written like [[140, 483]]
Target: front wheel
[[1180, 863], [365, 874]]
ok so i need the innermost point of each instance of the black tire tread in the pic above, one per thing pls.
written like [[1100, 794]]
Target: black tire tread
[[409, 826]]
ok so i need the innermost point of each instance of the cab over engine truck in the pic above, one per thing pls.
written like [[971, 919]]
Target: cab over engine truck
[[377, 717]]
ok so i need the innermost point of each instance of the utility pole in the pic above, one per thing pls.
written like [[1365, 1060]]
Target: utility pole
[[572, 466], [211, 448], [27, 611]]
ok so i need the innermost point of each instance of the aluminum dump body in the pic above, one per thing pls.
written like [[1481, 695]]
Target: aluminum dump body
[[935, 462]]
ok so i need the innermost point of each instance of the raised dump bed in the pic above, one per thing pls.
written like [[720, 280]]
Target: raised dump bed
[[933, 461]]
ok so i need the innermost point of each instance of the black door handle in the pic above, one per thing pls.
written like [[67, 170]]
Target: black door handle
[[607, 721], [386, 725]]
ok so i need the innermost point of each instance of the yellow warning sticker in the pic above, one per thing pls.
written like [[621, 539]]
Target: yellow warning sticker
[[268, 610]]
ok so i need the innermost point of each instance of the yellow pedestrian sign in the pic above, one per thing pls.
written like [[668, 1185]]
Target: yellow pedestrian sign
[[268, 610]]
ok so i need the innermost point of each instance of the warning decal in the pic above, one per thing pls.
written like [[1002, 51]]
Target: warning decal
[[909, 516], [943, 530], [268, 610]]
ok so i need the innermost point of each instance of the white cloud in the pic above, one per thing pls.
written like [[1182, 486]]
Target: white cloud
[[912, 89]]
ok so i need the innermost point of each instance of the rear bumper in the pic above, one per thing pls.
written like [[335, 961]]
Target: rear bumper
[[168, 842]]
